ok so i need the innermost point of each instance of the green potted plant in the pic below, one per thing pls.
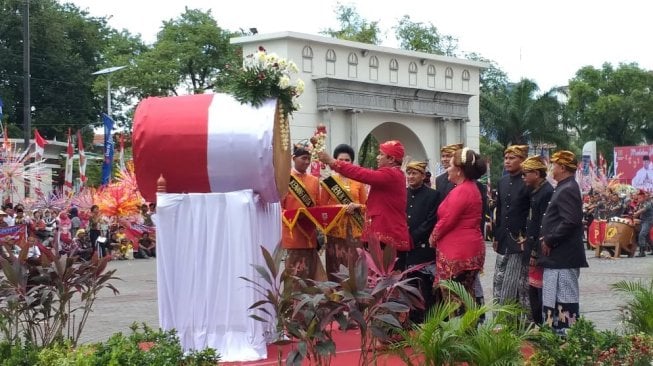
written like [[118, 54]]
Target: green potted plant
[[447, 339]]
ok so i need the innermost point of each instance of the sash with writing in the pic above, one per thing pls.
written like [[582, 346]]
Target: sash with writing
[[299, 191], [340, 194]]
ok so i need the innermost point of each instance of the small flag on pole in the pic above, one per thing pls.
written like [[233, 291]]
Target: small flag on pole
[[68, 177], [39, 149], [122, 152], [108, 149], [82, 158]]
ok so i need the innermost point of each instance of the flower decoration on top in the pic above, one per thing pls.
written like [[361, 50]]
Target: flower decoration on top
[[265, 76], [318, 141]]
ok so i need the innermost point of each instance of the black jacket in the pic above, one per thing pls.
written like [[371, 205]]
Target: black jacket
[[443, 186], [562, 227], [421, 209], [540, 198], [513, 202]]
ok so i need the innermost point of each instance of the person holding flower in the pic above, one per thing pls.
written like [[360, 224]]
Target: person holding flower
[[343, 240], [385, 216]]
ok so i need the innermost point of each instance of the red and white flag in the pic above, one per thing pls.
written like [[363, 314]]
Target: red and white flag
[[39, 149], [82, 158], [68, 177]]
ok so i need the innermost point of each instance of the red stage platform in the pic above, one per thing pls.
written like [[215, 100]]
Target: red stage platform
[[348, 351]]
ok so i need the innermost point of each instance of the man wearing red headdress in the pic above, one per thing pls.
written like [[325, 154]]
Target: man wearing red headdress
[[385, 218]]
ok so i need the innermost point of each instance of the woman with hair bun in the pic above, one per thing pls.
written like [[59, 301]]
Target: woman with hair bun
[[457, 237]]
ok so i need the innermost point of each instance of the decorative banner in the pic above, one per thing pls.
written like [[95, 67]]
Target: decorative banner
[[12, 234], [82, 158], [633, 166], [68, 176], [108, 149], [322, 218], [134, 231]]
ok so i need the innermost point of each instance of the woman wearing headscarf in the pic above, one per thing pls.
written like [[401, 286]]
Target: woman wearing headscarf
[[344, 238], [457, 237]]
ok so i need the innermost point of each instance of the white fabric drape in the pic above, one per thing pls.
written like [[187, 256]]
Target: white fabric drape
[[204, 243]]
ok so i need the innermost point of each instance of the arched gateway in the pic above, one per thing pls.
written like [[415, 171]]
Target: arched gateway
[[424, 100]]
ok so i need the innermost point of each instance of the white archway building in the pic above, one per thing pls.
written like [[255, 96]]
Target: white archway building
[[424, 100]]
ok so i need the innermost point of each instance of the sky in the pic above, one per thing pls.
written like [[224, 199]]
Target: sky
[[546, 41]]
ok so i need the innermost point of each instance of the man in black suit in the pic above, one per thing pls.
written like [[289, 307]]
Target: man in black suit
[[510, 228], [563, 252], [421, 211], [534, 172]]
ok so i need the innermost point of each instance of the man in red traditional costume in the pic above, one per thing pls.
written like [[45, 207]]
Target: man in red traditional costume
[[304, 191], [385, 217]]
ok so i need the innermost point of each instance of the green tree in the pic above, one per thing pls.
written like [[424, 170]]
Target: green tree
[[612, 106], [65, 46], [353, 27], [493, 152], [417, 36], [121, 49], [517, 115], [191, 55], [492, 78]]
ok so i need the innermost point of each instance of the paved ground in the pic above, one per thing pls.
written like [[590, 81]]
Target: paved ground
[[137, 301]]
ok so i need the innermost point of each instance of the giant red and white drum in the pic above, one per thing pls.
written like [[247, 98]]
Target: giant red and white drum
[[210, 143]]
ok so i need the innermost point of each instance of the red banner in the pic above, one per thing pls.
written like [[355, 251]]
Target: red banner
[[633, 166], [12, 234]]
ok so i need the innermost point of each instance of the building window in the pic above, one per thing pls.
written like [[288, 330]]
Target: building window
[[353, 65], [394, 71], [448, 78], [430, 76], [331, 62], [374, 68], [307, 59], [465, 80], [412, 73]]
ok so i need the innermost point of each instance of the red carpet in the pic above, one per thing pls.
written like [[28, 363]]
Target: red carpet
[[347, 353]]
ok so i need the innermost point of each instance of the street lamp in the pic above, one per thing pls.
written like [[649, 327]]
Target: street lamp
[[108, 71]]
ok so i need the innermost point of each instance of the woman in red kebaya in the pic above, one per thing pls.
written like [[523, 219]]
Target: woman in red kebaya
[[385, 217], [460, 249]]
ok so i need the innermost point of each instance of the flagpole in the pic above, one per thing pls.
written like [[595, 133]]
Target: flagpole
[[27, 110]]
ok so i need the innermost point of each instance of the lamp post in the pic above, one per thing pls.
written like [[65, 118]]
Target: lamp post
[[108, 71]]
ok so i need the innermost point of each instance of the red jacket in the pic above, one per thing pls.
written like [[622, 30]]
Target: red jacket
[[385, 216], [457, 234]]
